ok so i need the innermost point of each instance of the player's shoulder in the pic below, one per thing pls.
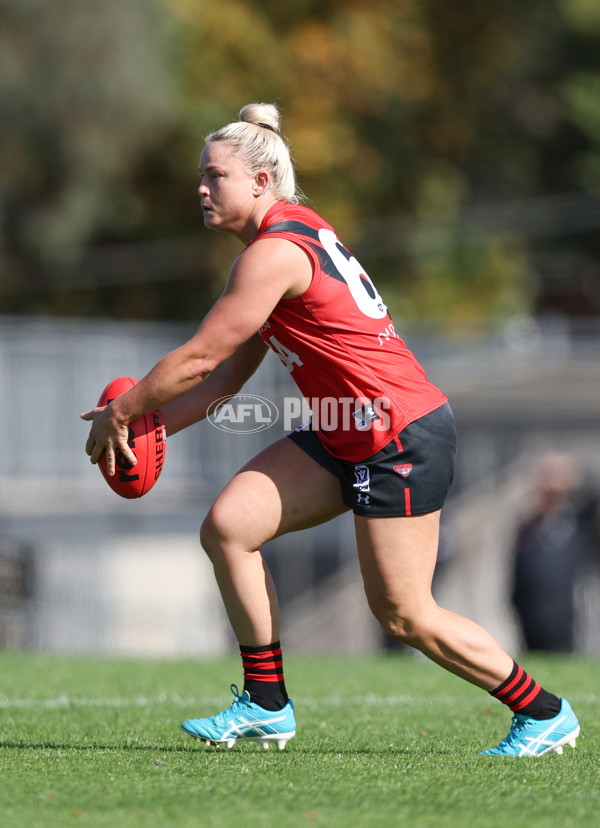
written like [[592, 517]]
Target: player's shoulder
[[272, 262], [269, 252], [286, 217]]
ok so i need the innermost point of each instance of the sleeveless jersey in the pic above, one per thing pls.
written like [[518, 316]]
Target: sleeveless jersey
[[338, 341]]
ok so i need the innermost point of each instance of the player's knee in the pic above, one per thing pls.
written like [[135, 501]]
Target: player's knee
[[400, 628], [408, 627], [213, 532], [206, 535]]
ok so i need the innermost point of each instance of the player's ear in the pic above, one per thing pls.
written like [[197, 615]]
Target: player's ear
[[262, 183]]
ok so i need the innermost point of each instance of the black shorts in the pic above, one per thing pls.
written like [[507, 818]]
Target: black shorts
[[411, 475]]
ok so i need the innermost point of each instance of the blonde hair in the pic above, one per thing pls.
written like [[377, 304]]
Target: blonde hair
[[256, 140]]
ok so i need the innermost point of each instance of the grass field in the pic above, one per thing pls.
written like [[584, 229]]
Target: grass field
[[382, 741]]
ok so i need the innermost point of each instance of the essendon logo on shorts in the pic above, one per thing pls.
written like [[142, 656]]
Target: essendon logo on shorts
[[403, 469]]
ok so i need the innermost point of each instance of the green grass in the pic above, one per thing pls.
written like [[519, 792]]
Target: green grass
[[97, 742]]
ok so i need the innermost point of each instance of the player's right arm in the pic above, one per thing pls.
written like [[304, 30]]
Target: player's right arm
[[225, 381]]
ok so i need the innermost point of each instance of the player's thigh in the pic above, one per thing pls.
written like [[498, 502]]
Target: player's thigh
[[397, 558], [280, 490]]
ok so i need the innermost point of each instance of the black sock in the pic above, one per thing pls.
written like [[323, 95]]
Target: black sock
[[263, 675], [525, 696]]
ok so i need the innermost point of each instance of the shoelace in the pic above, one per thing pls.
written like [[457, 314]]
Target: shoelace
[[233, 707], [518, 724]]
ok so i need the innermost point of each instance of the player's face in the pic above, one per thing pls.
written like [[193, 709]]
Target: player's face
[[226, 189]]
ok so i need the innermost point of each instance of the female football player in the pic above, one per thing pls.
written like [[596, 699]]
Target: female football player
[[386, 452]]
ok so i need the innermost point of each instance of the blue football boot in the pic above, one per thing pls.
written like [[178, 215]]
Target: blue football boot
[[245, 721], [536, 737]]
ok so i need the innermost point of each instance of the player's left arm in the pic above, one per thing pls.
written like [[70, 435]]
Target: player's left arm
[[266, 272], [225, 381]]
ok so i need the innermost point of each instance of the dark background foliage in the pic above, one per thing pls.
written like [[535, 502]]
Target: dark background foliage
[[455, 147]]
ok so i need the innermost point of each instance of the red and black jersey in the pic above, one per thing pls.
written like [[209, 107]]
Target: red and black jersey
[[338, 341]]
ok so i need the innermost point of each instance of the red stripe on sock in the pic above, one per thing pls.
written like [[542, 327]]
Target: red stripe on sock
[[263, 675], [517, 694], [528, 698], [264, 665], [275, 677], [264, 654], [506, 690]]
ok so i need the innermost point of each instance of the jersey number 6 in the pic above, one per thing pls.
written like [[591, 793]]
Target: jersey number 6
[[360, 285]]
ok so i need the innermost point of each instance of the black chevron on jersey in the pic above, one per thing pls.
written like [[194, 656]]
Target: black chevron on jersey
[[304, 230]]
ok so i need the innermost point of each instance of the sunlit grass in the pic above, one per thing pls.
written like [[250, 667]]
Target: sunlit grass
[[382, 740]]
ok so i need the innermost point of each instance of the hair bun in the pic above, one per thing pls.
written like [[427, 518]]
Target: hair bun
[[265, 115]]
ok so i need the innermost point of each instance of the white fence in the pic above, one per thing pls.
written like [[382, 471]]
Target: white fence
[[128, 576]]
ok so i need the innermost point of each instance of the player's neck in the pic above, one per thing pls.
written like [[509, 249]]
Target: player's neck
[[249, 230]]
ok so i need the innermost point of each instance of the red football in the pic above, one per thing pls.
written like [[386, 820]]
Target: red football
[[147, 440]]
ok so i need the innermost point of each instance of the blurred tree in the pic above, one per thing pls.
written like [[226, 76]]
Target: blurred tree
[[402, 115], [85, 100]]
